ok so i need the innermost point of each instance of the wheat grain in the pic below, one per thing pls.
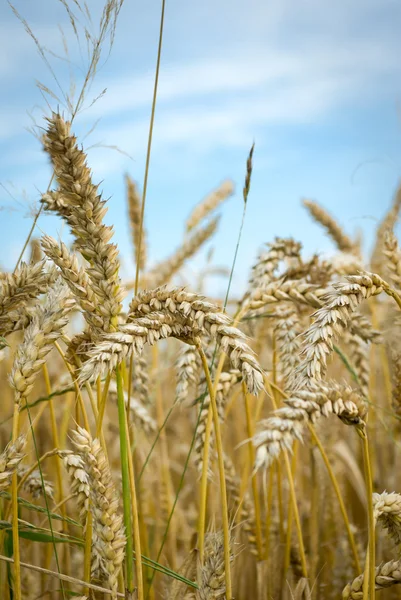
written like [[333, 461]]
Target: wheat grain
[[10, 460], [387, 511], [108, 529]]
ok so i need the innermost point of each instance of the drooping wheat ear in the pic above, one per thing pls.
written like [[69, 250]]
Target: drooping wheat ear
[[344, 243], [83, 209], [387, 575], [263, 272], [285, 291], [359, 354], [393, 253], [10, 460], [211, 574], [19, 288], [209, 203], [80, 481], [140, 381], [163, 271], [224, 386], [278, 432], [387, 512], [287, 327], [387, 224], [108, 529], [33, 483], [141, 416], [188, 368], [112, 348], [204, 318], [76, 278], [45, 328], [331, 321], [247, 512], [134, 212]]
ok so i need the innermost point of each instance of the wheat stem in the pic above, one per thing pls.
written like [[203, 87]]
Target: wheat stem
[[124, 450], [14, 501], [203, 486], [220, 460], [88, 548], [251, 450], [369, 582], [135, 520]]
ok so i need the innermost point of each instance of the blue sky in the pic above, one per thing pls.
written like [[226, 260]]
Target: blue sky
[[315, 84]]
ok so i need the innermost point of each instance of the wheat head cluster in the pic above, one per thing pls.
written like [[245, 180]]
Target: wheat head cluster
[[158, 444]]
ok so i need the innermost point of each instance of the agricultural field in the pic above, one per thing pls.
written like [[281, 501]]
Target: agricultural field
[[160, 443]]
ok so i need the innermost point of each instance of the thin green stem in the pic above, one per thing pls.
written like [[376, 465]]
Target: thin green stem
[[152, 118]]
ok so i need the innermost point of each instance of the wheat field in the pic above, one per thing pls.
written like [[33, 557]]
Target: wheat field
[[159, 444]]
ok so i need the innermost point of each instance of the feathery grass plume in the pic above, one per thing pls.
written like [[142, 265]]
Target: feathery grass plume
[[224, 386], [386, 225], [188, 369], [393, 253], [204, 318], [208, 204], [10, 460], [76, 278], [163, 271], [108, 528], [84, 212], [344, 243], [33, 483], [140, 380], [141, 415], [211, 574], [17, 289], [279, 432], [134, 212], [45, 328], [248, 523], [331, 321], [387, 511], [263, 272], [387, 575]]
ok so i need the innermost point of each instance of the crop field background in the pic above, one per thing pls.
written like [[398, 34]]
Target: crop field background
[[200, 368]]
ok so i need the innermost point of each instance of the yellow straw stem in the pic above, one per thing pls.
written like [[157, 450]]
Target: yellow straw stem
[[251, 450], [220, 460]]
